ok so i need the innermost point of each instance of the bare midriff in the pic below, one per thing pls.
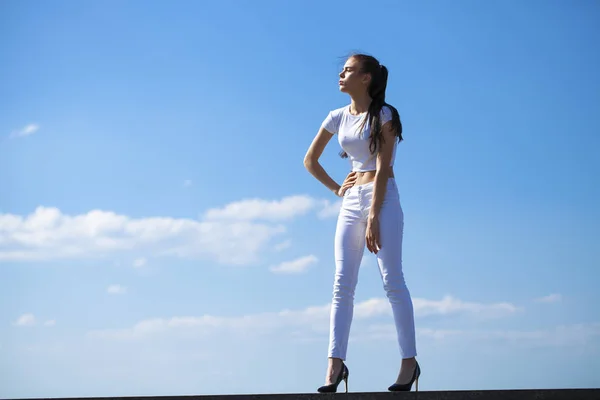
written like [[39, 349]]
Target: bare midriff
[[369, 176]]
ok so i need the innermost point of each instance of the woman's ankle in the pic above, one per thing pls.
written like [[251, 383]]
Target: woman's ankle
[[335, 360]]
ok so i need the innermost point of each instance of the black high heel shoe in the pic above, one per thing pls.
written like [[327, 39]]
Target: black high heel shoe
[[343, 375], [405, 387]]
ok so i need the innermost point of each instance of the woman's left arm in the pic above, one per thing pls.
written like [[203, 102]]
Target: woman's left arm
[[384, 158]]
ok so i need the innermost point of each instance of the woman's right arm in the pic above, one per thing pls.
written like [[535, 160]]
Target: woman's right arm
[[311, 160]]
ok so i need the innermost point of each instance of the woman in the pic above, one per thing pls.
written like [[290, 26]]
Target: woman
[[368, 131]]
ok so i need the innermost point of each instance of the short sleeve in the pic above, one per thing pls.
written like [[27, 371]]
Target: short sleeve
[[331, 123], [385, 115]]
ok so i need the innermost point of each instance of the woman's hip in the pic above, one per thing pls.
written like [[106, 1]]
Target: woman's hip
[[360, 197]]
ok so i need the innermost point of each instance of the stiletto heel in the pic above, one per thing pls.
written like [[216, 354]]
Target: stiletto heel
[[405, 387], [343, 375], [346, 383]]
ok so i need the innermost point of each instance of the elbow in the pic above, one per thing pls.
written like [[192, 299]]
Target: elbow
[[309, 162]]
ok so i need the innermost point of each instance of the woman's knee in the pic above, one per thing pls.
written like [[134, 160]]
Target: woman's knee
[[395, 285]]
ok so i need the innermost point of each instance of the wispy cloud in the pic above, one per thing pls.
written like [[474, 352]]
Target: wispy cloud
[[25, 320], [25, 131], [551, 298], [562, 335], [273, 210], [139, 262], [313, 319], [260, 209], [283, 245], [452, 305], [296, 266], [28, 320], [116, 289], [448, 305], [329, 209]]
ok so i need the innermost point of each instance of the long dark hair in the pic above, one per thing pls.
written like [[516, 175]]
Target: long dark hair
[[379, 76]]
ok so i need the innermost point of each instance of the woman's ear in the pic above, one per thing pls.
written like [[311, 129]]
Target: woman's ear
[[366, 79]]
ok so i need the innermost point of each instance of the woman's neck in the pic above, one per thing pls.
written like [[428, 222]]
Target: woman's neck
[[360, 104]]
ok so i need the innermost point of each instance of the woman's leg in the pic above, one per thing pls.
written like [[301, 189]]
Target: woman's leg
[[389, 258], [349, 250]]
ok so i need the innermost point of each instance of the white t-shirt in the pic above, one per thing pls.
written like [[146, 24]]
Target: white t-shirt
[[355, 144]]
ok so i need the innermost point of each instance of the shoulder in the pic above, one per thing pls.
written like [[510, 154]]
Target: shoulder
[[386, 111], [333, 119], [338, 112]]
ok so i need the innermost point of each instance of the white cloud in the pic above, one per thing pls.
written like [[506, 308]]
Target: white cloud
[[446, 306], [283, 245], [451, 305], [373, 307], [139, 262], [229, 235], [254, 209], [116, 289], [296, 266], [437, 334], [26, 131], [315, 319], [30, 320], [311, 318], [329, 209], [47, 233], [552, 298], [273, 210], [25, 320], [563, 335]]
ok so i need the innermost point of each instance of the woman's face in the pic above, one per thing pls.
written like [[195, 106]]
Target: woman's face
[[352, 80]]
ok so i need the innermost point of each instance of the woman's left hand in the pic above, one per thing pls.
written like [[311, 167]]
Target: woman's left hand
[[372, 235]]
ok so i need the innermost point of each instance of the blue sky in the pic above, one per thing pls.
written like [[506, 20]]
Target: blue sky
[[160, 235]]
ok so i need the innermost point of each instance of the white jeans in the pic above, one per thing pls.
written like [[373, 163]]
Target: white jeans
[[350, 244]]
